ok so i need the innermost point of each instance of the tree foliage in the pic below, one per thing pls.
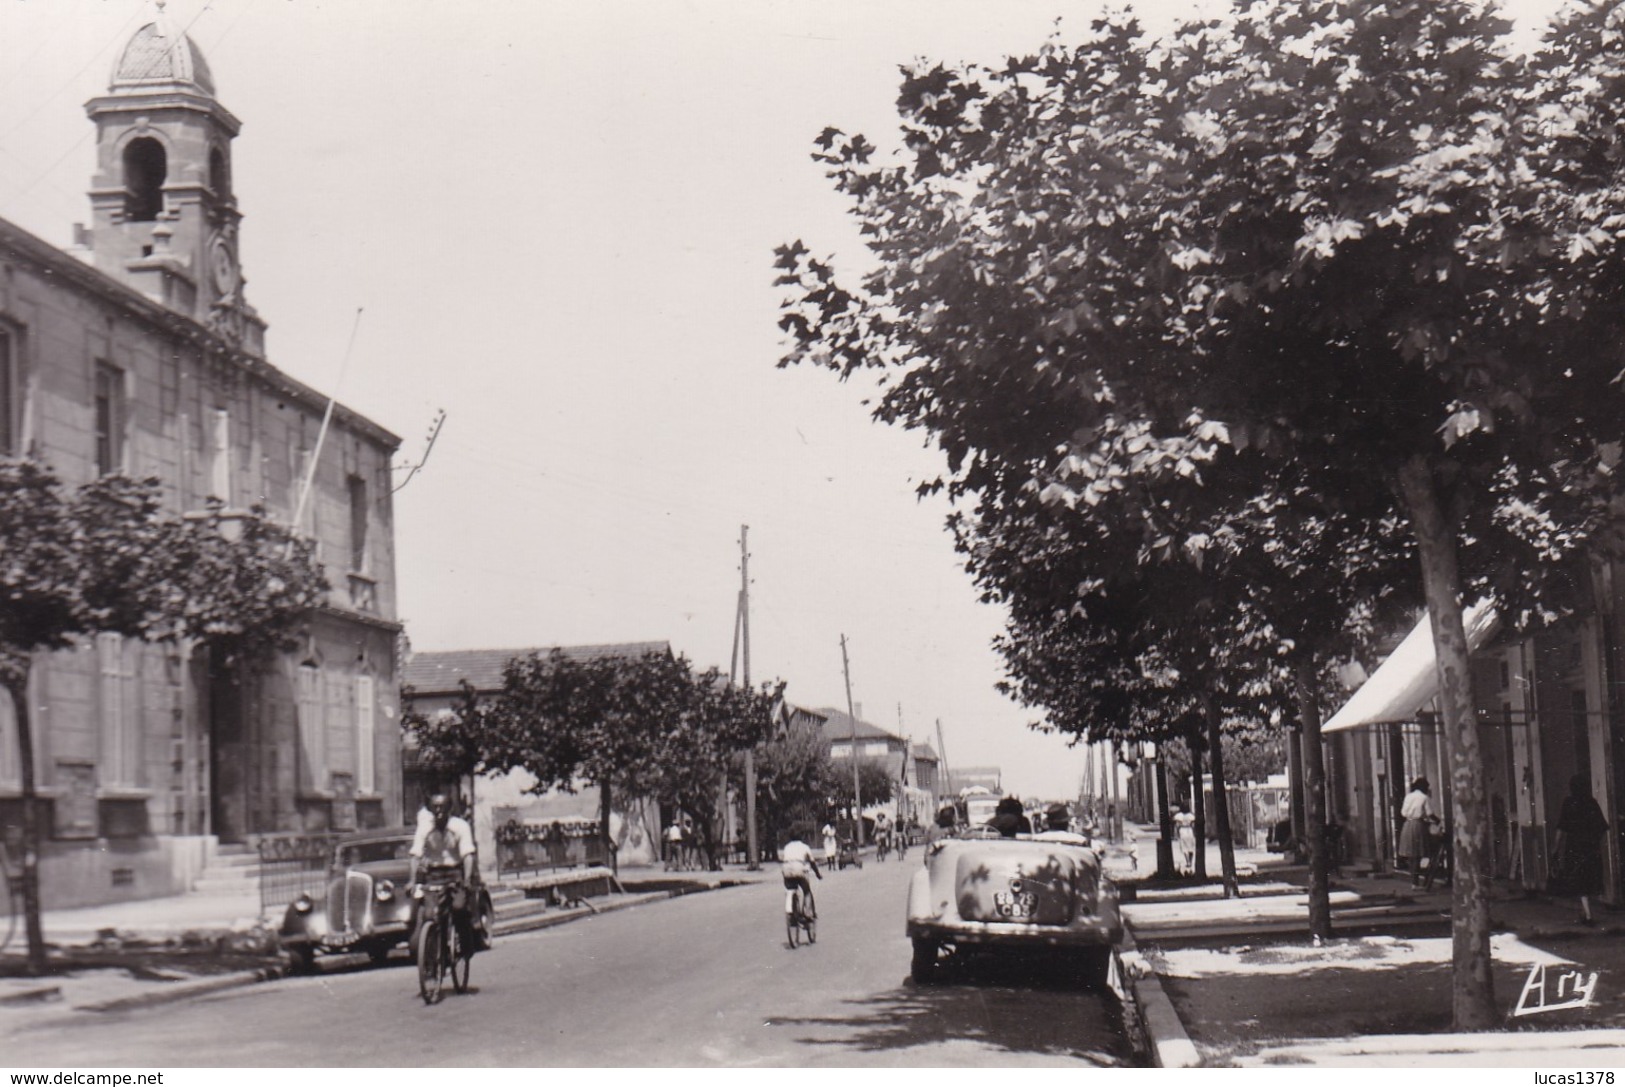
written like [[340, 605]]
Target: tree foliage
[[107, 559], [796, 781], [646, 726], [875, 783], [1348, 262]]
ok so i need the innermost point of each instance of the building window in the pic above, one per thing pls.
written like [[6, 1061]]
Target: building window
[[220, 455], [358, 524], [109, 407], [365, 778], [119, 738], [146, 166], [219, 173], [8, 394], [312, 725], [875, 749]]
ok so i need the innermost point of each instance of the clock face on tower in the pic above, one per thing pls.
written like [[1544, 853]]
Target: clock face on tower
[[223, 267]]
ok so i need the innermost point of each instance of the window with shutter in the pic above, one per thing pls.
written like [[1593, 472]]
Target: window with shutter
[[365, 777]]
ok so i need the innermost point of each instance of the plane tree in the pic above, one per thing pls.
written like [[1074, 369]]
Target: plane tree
[[636, 726], [1356, 243]]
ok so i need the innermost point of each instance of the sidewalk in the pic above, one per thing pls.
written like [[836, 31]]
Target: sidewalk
[[1240, 983]]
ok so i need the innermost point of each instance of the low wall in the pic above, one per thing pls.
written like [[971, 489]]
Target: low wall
[[108, 870]]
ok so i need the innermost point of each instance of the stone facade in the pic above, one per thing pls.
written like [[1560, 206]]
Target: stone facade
[[139, 354]]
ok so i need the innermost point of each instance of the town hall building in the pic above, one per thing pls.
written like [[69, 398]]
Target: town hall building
[[137, 351]]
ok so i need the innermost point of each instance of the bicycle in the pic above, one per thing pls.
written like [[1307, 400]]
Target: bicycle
[[882, 848], [797, 920], [1439, 866], [442, 948]]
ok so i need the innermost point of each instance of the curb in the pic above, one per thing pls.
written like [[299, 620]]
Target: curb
[[183, 990], [30, 996], [548, 920], [1170, 1045]]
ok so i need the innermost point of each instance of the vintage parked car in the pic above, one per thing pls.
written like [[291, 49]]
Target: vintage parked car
[[366, 906], [982, 893]]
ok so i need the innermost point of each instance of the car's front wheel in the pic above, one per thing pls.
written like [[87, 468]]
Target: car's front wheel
[[301, 958], [1094, 967], [923, 969]]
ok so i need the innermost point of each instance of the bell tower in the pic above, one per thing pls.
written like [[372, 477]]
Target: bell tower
[[164, 217]]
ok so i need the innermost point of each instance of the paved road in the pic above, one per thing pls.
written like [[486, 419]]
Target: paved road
[[698, 981]]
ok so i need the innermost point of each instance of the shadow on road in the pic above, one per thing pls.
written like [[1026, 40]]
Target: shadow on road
[[1010, 1007]]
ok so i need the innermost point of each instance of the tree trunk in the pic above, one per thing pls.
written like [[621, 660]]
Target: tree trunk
[[1193, 740], [1472, 985], [1221, 800], [1314, 801], [603, 826], [1165, 821], [35, 931], [1294, 767]]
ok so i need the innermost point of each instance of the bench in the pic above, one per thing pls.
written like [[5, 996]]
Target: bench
[[566, 886]]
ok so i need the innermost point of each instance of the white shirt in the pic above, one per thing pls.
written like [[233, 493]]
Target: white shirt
[[459, 834], [1418, 805], [795, 858]]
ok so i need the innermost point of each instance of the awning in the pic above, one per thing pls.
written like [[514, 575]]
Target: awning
[[1408, 679]]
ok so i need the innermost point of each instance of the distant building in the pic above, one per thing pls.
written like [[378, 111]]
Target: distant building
[[138, 352]]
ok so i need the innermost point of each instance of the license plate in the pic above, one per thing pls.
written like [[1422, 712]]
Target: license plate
[[1016, 907], [338, 939]]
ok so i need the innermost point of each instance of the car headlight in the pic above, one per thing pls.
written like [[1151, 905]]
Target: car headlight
[[385, 890], [417, 890], [303, 904]]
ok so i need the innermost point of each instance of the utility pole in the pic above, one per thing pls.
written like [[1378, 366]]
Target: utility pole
[[942, 765], [852, 715], [1117, 801], [754, 863], [902, 782]]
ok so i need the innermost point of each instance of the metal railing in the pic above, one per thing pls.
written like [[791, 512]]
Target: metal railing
[[291, 865], [542, 847]]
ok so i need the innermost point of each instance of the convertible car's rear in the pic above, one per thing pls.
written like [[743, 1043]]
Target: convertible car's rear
[[1018, 895]]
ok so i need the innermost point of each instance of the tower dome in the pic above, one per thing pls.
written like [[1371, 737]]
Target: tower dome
[[157, 54]]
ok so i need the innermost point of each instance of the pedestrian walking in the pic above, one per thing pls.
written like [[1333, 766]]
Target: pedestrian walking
[[947, 822], [1185, 834], [1416, 836], [1580, 829], [674, 844], [832, 845]]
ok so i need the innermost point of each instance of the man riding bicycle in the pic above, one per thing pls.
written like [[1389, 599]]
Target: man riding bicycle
[[443, 855], [794, 860]]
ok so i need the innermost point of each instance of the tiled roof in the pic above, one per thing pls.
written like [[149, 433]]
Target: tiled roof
[[924, 753], [838, 727], [439, 672]]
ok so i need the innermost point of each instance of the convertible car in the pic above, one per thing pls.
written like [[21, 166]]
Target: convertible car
[[985, 894], [366, 906]]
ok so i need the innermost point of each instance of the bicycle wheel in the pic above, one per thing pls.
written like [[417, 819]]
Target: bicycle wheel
[[431, 955], [812, 930], [792, 921], [460, 958]]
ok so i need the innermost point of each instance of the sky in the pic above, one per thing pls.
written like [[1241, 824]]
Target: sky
[[555, 222]]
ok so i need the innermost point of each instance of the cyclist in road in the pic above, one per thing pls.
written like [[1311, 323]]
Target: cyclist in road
[[443, 853], [794, 860]]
